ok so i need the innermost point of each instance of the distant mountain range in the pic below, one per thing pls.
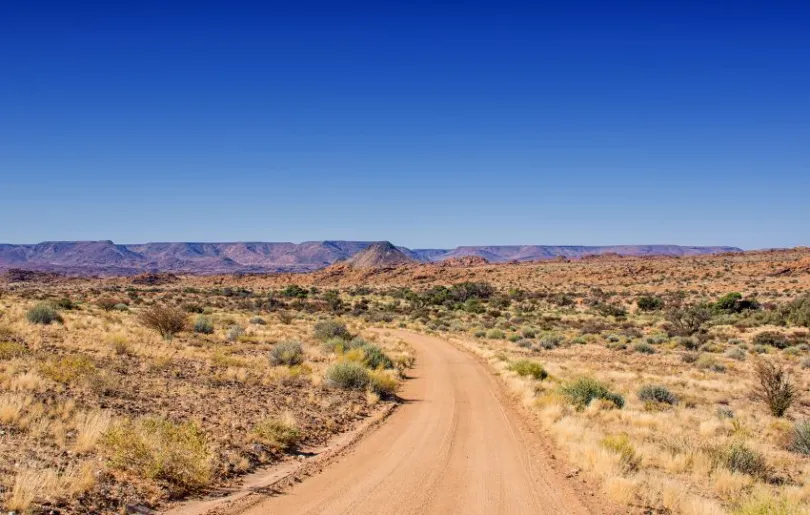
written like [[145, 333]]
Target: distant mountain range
[[108, 258]]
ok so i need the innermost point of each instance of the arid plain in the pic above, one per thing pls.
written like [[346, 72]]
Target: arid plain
[[601, 385]]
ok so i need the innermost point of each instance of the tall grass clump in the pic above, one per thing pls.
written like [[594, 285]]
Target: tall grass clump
[[44, 314], [158, 449], [582, 391], [278, 433], [800, 438]]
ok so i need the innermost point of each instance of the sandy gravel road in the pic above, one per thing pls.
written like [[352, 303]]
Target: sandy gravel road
[[455, 446]]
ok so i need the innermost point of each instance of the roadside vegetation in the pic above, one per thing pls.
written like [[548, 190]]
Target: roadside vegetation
[[679, 385]]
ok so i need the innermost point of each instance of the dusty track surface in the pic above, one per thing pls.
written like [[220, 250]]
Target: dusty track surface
[[455, 446]]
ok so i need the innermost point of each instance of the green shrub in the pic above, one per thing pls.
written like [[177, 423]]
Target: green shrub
[[772, 339], [375, 358], [644, 348], [277, 434], [347, 375], [649, 303], [203, 325], [551, 341], [294, 291], [121, 307], [582, 391], [734, 303], [258, 321], [689, 320], [527, 367], [65, 303], [657, 393], [328, 329], [495, 334], [155, 448], [737, 457], [44, 314], [797, 312], [288, 353]]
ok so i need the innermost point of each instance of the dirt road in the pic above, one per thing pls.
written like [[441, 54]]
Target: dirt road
[[455, 446]]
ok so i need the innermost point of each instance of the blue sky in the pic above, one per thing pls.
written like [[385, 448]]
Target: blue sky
[[428, 124]]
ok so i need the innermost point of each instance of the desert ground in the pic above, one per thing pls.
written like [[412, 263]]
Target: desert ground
[[601, 385]]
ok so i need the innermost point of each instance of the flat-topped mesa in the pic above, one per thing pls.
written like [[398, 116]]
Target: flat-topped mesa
[[382, 254]]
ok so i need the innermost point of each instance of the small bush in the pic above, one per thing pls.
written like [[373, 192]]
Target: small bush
[[328, 329], [258, 321], [44, 314], [582, 391], [203, 325], [657, 393], [707, 362], [121, 307], [737, 457], [771, 339], [649, 303], [167, 321], [644, 348], [288, 353], [279, 434], [526, 367], [107, 303], [688, 321], [774, 387], [495, 334], [66, 304], [192, 307], [375, 358], [234, 332], [348, 375], [155, 448], [800, 438], [736, 353]]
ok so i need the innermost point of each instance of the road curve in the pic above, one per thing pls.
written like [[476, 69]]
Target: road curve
[[452, 447]]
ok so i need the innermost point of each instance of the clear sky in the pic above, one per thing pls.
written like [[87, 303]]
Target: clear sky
[[429, 124]]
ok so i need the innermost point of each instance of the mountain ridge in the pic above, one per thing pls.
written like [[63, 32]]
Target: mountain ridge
[[104, 257]]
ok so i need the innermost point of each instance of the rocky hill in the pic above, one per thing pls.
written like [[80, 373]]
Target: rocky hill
[[381, 254], [108, 258]]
